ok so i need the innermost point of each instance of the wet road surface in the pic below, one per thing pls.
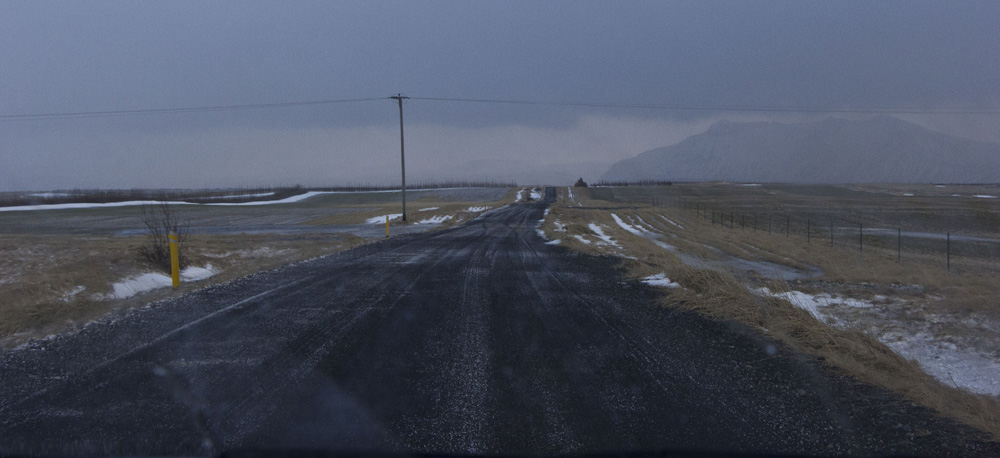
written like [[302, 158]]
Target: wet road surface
[[475, 339]]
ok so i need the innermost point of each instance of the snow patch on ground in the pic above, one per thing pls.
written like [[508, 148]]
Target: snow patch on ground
[[665, 246], [813, 302], [553, 242], [597, 229], [908, 194], [963, 367], [520, 195], [535, 194], [570, 192], [985, 196], [428, 209], [642, 224], [560, 227], [660, 280], [381, 219], [946, 355], [477, 209], [671, 222], [49, 194], [241, 196], [582, 239], [627, 226], [68, 296], [150, 281], [436, 219], [287, 200]]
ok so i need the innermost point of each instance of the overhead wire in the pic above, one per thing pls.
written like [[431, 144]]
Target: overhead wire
[[194, 109], [900, 110], [110, 113]]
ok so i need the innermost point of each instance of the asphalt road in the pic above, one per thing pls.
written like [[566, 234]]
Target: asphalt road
[[475, 339]]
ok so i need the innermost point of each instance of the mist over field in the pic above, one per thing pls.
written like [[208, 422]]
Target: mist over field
[[877, 150]]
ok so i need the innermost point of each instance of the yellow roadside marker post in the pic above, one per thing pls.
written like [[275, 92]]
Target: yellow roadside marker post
[[175, 260]]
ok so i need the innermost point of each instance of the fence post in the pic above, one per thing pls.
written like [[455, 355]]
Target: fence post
[[175, 260], [713, 216]]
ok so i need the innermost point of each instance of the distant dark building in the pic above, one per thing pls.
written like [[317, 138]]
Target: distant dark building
[[580, 183]]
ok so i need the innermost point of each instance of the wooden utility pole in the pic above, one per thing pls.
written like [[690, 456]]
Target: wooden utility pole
[[402, 157]]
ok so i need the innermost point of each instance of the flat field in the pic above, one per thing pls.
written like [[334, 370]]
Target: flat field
[[63, 268]]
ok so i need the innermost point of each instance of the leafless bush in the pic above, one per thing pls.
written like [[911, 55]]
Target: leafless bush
[[160, 220]]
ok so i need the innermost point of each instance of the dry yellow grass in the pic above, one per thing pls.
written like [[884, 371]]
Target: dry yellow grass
[[721, 296], [55, 283]]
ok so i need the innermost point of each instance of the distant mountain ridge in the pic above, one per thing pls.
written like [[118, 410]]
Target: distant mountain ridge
[[879, 149]]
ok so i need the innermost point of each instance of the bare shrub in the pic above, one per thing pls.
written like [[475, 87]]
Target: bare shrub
[[160, 220]]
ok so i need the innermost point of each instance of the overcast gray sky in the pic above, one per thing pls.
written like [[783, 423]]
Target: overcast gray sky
[[72, 56]]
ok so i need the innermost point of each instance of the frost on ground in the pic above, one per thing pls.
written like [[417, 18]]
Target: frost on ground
[[150, 281], [660, 280], [962, 352], [381, 219]]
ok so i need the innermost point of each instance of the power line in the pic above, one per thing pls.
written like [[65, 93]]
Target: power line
[[111, 113], [873, 110], [859, 110]]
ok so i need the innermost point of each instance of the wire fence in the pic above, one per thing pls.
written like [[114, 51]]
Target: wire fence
[[839, 228]]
